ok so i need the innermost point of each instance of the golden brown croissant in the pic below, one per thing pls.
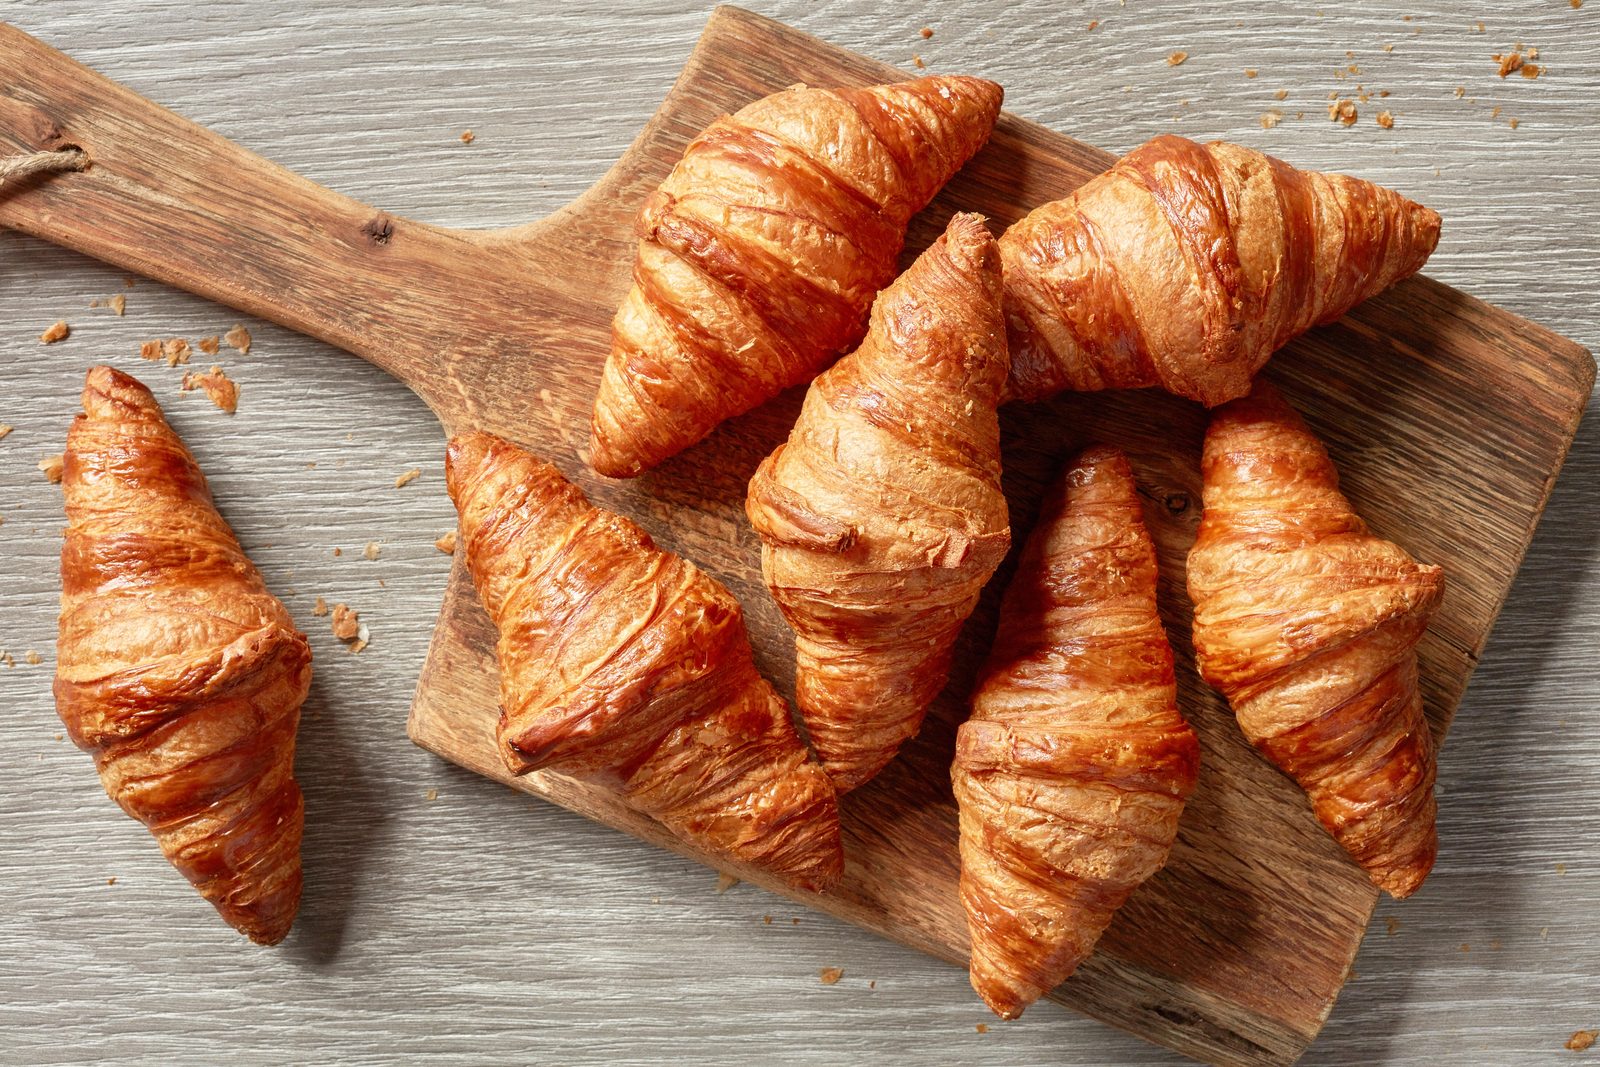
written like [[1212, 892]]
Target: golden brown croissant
[[176, 668], [1074, 768], [1186, 266], [881, 518], [1308, 624], [760, 254], [624, 664]]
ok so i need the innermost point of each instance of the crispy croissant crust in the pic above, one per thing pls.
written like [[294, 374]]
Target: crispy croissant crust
[[1308, 624], [176, 668], [760, 254], [624, 664], [1074, 768], [881, 518], [1186, 266]]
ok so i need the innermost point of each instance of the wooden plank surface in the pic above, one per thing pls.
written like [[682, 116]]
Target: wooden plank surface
[[364, 713]]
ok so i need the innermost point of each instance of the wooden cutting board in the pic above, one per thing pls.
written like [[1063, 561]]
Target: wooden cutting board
[[1448, 418]]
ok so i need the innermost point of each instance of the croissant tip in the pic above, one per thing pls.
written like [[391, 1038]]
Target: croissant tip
[[107, 390]]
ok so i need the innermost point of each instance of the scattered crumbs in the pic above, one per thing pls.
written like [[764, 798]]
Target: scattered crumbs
[[1349, 54], [1581, 1039], [1388, 48], [830, 975], [1531, 70], [1561, 868], [58, 331], [1480, 27], [372, 550], [1386, 120], [407, 478], [223, 392], [175, 350], [1271, 119], [346, 624], [725, 882], [1510, 62], [338, 551], [432, 794], [983, 1028], [1513, 123], [767, 919], [1495, 113], [1353, 69], [111, 881], [446, 543], [5, 428], [467, 137], [1343, 111], [917, 62], [1094, 24], [1249, 72], [150, 350], [1176, 59], [239, 338], [211, 345], [119, 304], [926, 31], [1281, 94], [320, 607], [32, 656], [1461, 90], [1391, 925], [51, 466]]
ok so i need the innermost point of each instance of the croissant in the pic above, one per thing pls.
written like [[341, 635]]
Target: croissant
[[176, 668], [623, 664], [1186, 266], [760, 254], [1075, 766], [881, 517], [1308, 624]]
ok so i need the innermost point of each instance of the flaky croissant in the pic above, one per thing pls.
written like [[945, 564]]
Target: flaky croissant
[[176, 668], [1186, 266], [1308, 624], [881, 518], [1075, 766], [760, 254], [624, 664]]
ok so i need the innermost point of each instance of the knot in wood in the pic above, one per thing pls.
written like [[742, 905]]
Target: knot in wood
[[379, 229]]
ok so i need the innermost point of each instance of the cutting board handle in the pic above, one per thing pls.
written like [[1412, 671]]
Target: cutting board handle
[[168, 199]]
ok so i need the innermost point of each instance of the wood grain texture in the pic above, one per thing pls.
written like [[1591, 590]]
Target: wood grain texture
[[1504, 826]]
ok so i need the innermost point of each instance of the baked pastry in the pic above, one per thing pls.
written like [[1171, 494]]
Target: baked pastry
[[176, 668], [1309, 625], [623, 664], [1075, 766], [1186, 266], [760, 254], [881, 517]]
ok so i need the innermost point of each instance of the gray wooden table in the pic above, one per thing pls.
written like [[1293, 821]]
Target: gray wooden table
[[447, 919]]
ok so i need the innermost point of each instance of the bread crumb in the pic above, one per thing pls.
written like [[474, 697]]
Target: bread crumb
[[1388, 48], [446, 543], [872, 984], [795, 920], [1544, 933], [767, 919], [1343, 111], [58, 331], [983, 1028], [830, 975], [5, 428], [211, 345], [1531, 70], [725, 882], [320, 607], [59, 737], [5, 658], [1465, 947], [918, 63], [1281, 94], [1461, 90], [176, 351], [32, 656], [1386, 120], [119, 304], [372, 550], [338, 551], [1514, 123], [407, 478], [346, 624], [1249, 72], [1480, 27], [467, 137], [1581, 1039], [1561, 868], [223, 393], [926, 31], [150, 350], [1176, 59], [1271, 119], [1392, 925], [1510, 62], [1094, 24], [239, 338], [432, 794], [1576, 4], [51, 466], [111, 881]]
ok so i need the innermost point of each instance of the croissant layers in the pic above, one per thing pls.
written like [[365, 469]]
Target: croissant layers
[[1186, 266], [625, 665], [1075, 766], [176, 668], [1308, 624], [760, 254], [881, 517]]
